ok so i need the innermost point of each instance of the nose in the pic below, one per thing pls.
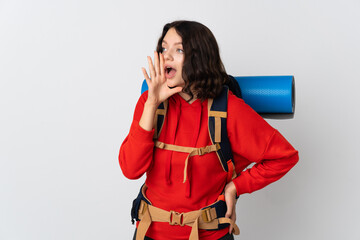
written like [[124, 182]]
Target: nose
[[167, 55]]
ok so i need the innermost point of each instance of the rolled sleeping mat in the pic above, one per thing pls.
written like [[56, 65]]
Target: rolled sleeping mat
[[270, 96]]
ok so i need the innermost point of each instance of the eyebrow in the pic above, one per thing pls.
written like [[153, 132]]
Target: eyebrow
[[177, 43]]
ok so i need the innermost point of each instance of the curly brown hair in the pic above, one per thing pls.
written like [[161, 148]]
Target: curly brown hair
[[203, 71]]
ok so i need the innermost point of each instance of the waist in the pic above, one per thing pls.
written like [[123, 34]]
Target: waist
[[162, 231]]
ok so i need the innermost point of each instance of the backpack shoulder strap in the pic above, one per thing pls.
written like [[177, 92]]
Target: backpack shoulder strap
[[159, 118], [217, 114]]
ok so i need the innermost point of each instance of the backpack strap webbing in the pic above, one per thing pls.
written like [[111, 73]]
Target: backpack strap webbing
[[217, 114], [190, 150], [211, 217], [205, 218]]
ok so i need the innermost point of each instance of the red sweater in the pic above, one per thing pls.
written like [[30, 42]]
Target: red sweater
[[252, 139]]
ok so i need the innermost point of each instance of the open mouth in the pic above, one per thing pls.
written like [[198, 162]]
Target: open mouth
[[170, 72]]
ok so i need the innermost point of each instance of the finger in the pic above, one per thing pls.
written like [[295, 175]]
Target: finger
[[151, 68], [146, 76], [156, 62], [162, 69], [233, 217]]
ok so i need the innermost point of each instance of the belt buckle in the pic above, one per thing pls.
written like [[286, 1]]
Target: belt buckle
[[176, 218]]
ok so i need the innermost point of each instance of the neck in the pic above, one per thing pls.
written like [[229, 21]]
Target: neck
[[186, 97]]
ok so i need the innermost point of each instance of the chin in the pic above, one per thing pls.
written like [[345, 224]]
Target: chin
[[173, 82], [170, 83]]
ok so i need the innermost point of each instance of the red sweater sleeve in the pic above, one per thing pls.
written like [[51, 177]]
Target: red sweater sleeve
[[136, 151], [252, 139]]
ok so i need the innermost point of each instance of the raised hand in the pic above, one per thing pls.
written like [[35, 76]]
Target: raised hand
[[158, 89]]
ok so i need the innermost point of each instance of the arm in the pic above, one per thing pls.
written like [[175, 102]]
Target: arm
[[136, 152], [254, 140], [277, 159]]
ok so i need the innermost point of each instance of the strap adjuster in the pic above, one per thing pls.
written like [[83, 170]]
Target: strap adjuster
[[206, 215], [176, 218], [200, 151]]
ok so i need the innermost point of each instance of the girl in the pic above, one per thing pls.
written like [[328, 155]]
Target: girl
[[187, 73]]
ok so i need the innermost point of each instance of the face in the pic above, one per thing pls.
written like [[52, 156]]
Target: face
[[173, 52]]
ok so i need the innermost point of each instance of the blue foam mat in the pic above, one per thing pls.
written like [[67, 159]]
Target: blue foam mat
[[265, 94]]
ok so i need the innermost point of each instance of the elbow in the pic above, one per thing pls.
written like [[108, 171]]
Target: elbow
[[134, 163], [129, 169], [295, 157], [131, 175], [291, 161], [282, 164], [129, 172]]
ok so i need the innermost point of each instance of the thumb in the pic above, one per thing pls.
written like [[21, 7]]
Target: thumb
[[229, 212], [176, 90], [229, 206]]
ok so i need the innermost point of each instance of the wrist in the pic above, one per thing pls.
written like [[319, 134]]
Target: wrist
[[230, 187], [236, 191], [147, 117], [151, 104]]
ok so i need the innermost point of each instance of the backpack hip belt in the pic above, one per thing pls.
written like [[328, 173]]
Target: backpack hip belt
[[211, 217]]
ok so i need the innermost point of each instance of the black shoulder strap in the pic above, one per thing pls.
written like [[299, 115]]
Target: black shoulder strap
[[159, 118], [217, 122], [234, 86]]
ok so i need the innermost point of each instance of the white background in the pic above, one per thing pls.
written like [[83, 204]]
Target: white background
[[70, 76]]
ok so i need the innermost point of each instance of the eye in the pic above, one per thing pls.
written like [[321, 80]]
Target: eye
[[180, 50], [163, 49]]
